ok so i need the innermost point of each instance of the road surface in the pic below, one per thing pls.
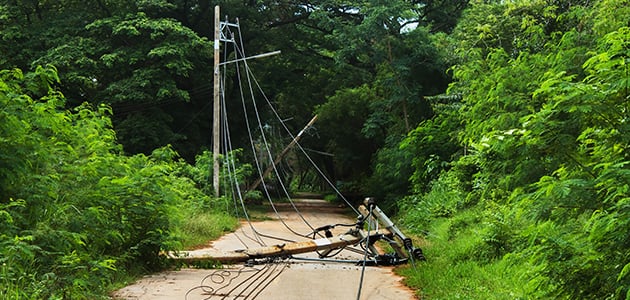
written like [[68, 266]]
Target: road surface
[[283, 279]]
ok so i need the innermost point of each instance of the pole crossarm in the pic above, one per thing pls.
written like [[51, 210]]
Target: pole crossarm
[[251, 57]]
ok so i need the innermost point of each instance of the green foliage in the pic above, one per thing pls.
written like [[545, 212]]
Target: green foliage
[[134, 57], [76, 212], [461, 265], [144, 64], [409, 69], [545, 168], [200, 228], [593, 111], [445, 197], [201, 172], [379, 50], [348, 110], [433, 144], [390, 178]]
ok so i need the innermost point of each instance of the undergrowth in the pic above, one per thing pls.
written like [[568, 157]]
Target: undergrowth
[[198, 229], [78, 216], [460, 264]]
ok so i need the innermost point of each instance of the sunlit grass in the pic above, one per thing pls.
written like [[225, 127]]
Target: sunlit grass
[[456, 269], [203, 227]]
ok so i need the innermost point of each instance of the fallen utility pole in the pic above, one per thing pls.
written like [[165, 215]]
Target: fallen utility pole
[[353, 237], [280, 250]]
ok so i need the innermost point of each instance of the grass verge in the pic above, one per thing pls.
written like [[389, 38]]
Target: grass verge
[[202, 227], [458, 265]]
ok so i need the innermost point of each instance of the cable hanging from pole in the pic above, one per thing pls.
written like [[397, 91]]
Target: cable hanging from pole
[[242, 94], [227, 35], [247, 81], [320, 172], [232, 169], [240, 51], [234, 187]]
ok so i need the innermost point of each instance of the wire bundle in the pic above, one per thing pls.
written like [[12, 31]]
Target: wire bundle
[[226, 283], [217, 283]]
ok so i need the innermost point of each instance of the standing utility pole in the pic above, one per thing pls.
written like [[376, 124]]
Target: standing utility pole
[[220, 36], [216, 126]]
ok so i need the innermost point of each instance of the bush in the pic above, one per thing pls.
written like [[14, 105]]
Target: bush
[[442, 200], [75, 211]]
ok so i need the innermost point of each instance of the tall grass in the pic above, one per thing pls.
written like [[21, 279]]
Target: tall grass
[[460, 266], [198, 229]]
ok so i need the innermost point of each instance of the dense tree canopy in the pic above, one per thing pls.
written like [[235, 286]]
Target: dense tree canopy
[[150, 61]]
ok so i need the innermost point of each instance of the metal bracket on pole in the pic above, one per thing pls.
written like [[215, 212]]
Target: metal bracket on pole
[[220, 35], [401, 240]]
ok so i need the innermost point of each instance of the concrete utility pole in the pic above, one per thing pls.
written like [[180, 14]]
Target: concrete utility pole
[[216, 125], [281, 155]]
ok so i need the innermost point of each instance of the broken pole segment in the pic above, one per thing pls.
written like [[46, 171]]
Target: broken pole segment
[[281, 155], [401, 240], [280, 250]]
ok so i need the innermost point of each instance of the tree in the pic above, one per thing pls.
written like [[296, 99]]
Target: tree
[[590, 114], [150, 60], [75, 210], [544, 90], [348, 111]]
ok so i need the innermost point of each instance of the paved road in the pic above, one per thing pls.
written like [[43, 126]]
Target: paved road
[[286, 279]]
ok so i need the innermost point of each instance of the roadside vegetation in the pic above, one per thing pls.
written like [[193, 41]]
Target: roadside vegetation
[[77, 214], [497, 132], [533, 201]]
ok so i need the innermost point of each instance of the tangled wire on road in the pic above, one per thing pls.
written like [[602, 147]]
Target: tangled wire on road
[[227, 284]]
